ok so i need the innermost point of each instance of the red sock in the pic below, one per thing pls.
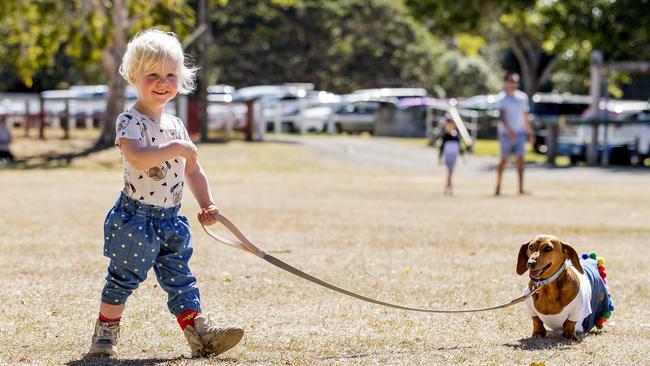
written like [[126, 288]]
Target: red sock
[[105, 319], [187, 318]]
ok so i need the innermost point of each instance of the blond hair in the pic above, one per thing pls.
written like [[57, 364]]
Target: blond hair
[[149, 49]]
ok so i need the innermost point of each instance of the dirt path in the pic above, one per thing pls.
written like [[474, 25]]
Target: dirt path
[[403, 156]]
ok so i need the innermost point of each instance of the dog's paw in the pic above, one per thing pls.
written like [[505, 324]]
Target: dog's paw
[[569, 336], [539, 334]]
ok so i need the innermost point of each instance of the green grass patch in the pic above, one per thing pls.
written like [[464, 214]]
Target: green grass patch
[[491, 148]]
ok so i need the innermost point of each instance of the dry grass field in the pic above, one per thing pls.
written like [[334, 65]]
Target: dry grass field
[[383, 232]]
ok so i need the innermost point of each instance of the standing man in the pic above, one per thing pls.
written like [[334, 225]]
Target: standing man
[[514, 127]]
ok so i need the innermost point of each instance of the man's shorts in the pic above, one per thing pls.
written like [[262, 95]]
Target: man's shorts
[[510, 147]]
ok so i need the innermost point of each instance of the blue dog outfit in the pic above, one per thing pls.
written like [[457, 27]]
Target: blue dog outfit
[[593, 304], [600, 296]]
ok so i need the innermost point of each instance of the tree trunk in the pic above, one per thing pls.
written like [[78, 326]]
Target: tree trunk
[[528, 53], [111, 59], [114, 106]]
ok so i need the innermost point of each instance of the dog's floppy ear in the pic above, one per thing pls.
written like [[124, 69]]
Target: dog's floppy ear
[[571, 254], [522, 259]]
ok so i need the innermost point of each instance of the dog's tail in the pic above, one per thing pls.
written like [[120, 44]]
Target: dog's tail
[[610, 303]]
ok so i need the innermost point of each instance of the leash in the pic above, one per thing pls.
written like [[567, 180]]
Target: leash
[[248, 246]]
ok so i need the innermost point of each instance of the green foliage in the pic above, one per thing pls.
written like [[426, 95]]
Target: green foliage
[[469, 44], [32, 31], [39, 35], [339, 46], [566, 31], [463, 76], [615, 27]]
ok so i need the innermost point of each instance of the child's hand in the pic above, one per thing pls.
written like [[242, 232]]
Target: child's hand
[[205, 216]]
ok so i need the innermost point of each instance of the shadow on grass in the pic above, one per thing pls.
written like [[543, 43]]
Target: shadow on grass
[[51, 161], [106, 361], [58, 161], [372, 354], [630, 169], [535, 344]]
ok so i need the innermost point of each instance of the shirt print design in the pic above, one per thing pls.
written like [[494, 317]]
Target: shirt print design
[[160, 185]]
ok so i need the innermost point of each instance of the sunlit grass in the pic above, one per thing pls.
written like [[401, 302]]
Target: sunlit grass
[[383, 233]]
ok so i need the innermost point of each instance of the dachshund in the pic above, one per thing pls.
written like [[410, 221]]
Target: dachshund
[[572, 296]]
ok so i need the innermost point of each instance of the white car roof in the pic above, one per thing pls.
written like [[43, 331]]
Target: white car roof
[[392, 92]]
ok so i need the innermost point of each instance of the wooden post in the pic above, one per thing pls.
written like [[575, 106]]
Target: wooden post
[[250, 119], [27, 118], [301, 116], [65, 120], [331, 128], [41, 127], [204, 73], [277, 118], [596, 67], [552, 131], [428, 122]]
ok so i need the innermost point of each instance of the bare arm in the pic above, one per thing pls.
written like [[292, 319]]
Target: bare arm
[[529, 128], [144, 157], [198, 183]]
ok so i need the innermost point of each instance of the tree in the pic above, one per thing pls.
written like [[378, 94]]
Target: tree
[[545, 34], [340, 46], [521, 22], [463, 76], [614, 27], [90, 31], [32, 32]]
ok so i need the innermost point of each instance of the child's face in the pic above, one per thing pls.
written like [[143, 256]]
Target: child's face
[[449, 126], [157, 86]]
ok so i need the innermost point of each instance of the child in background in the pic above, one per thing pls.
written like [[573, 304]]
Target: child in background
[[449, 149], [143, 229]]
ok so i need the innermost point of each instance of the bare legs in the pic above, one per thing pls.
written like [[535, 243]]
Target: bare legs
[[111, 311], [500, 168], [448, 187], [520, 172]]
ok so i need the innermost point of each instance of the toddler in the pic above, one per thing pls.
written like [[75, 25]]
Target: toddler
[[143, 229]]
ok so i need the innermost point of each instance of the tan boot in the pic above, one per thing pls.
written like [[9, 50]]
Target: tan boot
[[207, 339], [104, 342]]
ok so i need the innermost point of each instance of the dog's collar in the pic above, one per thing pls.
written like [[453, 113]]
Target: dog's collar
[[550, 279]]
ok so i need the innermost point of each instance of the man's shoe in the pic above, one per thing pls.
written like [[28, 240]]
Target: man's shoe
[[104, 342], [207, 339]]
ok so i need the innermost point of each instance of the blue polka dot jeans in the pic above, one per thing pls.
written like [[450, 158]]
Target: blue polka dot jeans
[[138, 237]]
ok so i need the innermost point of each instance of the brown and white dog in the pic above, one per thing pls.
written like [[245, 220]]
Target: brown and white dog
[[572, 297]]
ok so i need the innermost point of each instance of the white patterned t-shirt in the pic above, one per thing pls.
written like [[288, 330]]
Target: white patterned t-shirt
[[160, 185]]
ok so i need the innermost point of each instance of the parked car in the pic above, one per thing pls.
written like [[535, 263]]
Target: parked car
[[553, 105], [356, 112], [390, 94], [296, 106], [620, 141], [356, 116], [223, 114]]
